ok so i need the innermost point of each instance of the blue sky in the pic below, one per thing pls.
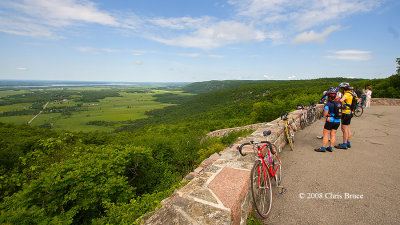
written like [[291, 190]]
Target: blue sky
[[197, 40]]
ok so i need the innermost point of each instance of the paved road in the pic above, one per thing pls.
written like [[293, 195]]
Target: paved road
[[370, 169], [44, 107]]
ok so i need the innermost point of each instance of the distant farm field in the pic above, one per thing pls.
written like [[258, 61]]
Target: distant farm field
[[103, 115]]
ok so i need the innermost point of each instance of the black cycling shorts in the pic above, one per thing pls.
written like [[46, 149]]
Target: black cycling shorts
[[331, 126], [346, 119]]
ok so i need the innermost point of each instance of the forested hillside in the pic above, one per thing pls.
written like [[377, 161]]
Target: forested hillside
[[207, 86], [50, 177]]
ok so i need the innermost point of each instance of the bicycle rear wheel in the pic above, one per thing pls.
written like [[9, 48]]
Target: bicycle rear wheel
[[359, 111], [261, 189], [302, 123]]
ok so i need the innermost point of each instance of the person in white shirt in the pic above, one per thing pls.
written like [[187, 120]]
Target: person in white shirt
[[368, 93]]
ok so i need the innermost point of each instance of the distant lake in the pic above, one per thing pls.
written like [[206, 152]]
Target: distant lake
[[49, 84]]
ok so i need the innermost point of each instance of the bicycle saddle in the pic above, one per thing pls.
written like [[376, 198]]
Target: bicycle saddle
[[266, 133]]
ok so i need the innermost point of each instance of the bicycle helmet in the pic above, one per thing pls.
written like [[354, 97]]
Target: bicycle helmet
[[332, 94], [344, 85], [324, 93]]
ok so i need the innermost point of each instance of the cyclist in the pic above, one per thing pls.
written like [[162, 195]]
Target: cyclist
[[332, 123], [359, 93], [347, 114], [363, 96], [338, 93], [324, 97]]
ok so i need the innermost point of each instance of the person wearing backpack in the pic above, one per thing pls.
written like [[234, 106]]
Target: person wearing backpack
[[347, 114], [333, 116]]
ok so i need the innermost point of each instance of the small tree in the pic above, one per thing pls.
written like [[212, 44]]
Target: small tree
[[398, 68]]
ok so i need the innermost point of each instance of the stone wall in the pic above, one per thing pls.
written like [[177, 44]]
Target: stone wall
[[385, 101], [219, 189]]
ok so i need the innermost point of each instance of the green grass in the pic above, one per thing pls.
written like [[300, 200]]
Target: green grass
[[14, 107], [12, 92], [16, 119], [130, 106]]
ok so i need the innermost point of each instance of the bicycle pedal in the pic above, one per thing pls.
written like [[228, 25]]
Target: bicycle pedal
[[283, 189]]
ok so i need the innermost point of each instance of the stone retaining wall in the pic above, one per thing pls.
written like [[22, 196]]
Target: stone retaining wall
[[219, 189], [385, 101]]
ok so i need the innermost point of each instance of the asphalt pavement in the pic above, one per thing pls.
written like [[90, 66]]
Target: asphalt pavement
[[360, 185]]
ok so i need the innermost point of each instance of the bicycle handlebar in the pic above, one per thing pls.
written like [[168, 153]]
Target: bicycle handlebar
[[248, 143], [265, 134]]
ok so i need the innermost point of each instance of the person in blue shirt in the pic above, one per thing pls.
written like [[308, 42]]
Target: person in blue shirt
[[331, 124], [324, 97]]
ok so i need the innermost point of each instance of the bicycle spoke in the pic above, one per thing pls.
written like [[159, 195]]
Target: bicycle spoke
[[261, 189]]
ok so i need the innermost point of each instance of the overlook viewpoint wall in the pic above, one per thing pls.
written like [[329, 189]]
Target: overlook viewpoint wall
[[219, 189]]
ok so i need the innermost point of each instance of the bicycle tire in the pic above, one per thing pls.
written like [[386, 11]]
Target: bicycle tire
[[302, 124], [309, 118], [359, 111], [290, 137], [261, 189], [313, 116]]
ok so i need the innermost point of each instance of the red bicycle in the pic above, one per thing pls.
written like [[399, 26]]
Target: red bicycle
[[266, 166]]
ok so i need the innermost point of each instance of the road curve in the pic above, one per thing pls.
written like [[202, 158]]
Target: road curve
[[356, 186]]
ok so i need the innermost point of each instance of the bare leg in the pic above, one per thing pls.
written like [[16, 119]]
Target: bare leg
[[333, 138], [348, 133], [325, 140], [345, 130]]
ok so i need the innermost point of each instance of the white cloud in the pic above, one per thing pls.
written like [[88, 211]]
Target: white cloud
[[302, 14], [268, 77], [111, 51], [181, 23], [25, 27], [189, 54], [313, 37], [254, 21], [64, 12], [215, 35], [41, 18], [21, 68], [201, 55], [352, 55], [84, 49], [108, 50], [291, 77], [216, 56], [138, 62]]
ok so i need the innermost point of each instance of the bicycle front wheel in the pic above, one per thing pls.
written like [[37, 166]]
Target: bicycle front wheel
[[261, 189], [276, 166], [290, 137], [359, 111]]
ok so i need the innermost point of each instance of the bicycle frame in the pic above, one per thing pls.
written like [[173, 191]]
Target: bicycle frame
[[261, 187], [266, 166]]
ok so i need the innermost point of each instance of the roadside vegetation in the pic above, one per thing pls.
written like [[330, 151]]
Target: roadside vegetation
[[146, 140]]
